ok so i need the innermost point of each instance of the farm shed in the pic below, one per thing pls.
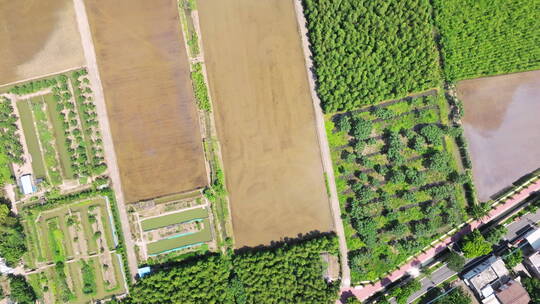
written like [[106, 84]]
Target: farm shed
[[27, 186]]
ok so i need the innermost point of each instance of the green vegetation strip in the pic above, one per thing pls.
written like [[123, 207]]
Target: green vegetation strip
[[285, 273], [31, 138], [60, 137], [481, 38], [174, 218], [204, 235], [46, 138]]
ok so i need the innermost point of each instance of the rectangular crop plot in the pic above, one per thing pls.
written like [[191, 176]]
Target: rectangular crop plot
[[399, 184], [265, 119], [39, 37], [149, 97], [62, 239], [502, 128], [174, 218], [173, 243]]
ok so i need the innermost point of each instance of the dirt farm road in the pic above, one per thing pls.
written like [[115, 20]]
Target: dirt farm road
[[325, 149], [110, 156]]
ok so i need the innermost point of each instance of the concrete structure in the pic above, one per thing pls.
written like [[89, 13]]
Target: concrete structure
[[532, 263], [143, 271], [491, 283], [27, 185], [486, 277], [533, 240], [512, 293]]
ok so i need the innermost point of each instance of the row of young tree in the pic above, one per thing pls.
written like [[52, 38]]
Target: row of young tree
[[286, 273], [481, 38], [368, 51], [96, 162], [11, 149], [427, 203]]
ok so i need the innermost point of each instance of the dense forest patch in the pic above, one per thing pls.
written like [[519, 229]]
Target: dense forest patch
[[369, 51], [481, 38], [288, 273], [399, 180]]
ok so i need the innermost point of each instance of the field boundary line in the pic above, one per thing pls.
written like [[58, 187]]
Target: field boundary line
[[172, 212], [41, 76], [324, 147], [108, 147]]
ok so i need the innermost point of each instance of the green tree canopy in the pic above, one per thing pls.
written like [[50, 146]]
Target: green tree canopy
[[475, 245]]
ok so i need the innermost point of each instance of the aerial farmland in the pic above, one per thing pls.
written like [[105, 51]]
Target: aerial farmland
[[53, 46], [150, 102], [277, 151], [265, 120]]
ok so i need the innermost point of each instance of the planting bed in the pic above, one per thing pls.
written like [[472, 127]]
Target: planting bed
[[174, 218], [501, 126], [399, 185], [177, 242], [72, 249]]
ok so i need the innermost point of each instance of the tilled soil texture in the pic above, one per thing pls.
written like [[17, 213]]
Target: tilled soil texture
[[501, 125], [37, 38], [145, 75], [265, 119]]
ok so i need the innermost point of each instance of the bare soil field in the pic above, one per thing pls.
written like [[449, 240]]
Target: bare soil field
[[42, 37], [265, 119], [145, 75], [501, 125]]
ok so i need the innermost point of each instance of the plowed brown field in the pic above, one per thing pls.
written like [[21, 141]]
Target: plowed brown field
[[37, 37], [265, 119], [145, 75], [502, 127]]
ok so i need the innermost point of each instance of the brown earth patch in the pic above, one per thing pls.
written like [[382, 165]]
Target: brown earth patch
[[145, 75], [265, 119], [501, 125], [37, 38]]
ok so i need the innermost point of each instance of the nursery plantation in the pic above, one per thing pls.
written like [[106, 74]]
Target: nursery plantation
[[399, 183], [60, 128], [284, 273], [74, 251], [369, 51], [482, 38]]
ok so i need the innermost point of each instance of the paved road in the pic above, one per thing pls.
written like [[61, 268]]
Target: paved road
[[325, 149], [437, 277], [444, 273], [110, 156]]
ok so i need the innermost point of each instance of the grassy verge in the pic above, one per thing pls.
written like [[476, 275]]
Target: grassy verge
[[60, 137], [173, 218], [46, 139], [31, 138], [202, 236]]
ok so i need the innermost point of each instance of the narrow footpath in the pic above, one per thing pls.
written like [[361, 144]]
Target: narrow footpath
[[325, 149], [110, 156]]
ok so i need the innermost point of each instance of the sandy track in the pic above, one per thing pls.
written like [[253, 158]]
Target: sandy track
[[110, 156], [325, 149]]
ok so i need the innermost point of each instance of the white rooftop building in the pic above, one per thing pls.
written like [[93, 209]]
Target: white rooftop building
[[27, 185]]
